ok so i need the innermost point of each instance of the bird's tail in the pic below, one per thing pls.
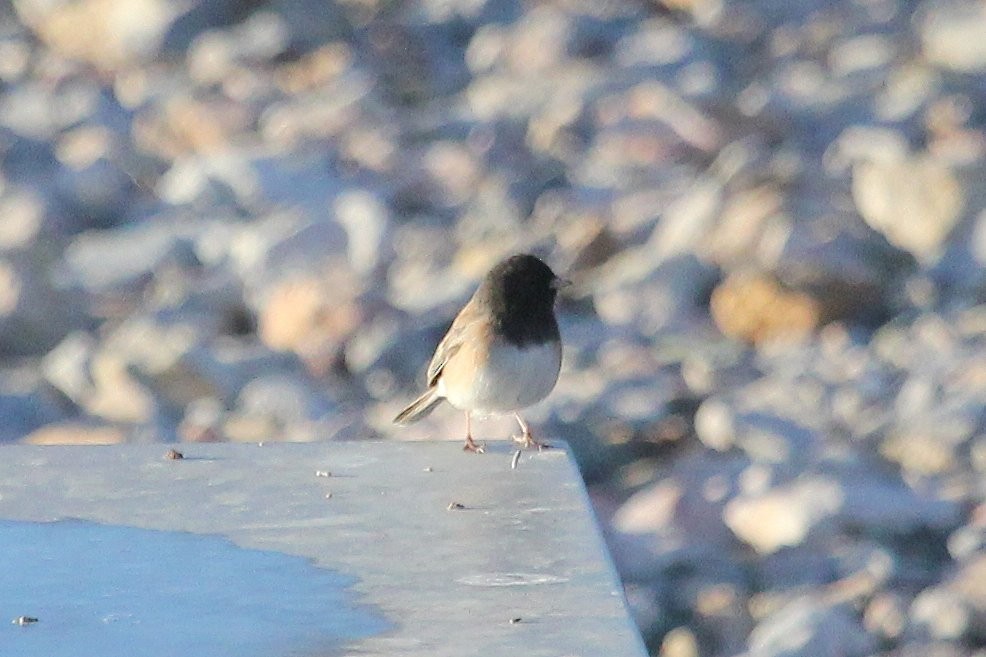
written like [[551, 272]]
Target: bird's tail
[[420, 407]]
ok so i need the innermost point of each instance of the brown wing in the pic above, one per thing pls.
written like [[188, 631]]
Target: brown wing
[[452, 341]]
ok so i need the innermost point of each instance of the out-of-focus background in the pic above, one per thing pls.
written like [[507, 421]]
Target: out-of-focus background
[[230, 220]]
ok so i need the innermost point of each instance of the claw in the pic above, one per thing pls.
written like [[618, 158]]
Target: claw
[[472, 446], [527, 441]]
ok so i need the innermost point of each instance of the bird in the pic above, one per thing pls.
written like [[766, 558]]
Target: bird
[[503, 351]]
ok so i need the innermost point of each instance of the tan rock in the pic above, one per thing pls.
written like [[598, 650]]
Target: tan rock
[[75, 433], [107, 33], [756, 308], [186, 125], [782, 517], [315, 69], [679, 642], [117, 396], [308, 317]]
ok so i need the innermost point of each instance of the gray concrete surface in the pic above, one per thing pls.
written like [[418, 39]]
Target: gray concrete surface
[[448, 581]]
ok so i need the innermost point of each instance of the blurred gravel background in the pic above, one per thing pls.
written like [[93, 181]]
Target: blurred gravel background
[[252, 220]]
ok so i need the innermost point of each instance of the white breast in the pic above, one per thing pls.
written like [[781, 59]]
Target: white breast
[[512, 379]]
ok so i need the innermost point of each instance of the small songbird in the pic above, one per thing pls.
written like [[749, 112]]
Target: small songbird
[[502, 352]]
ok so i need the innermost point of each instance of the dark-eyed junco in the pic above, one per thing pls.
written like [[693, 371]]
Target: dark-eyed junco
[[502, 352]]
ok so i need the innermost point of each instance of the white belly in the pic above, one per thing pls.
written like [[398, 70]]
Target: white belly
[[512, 379]]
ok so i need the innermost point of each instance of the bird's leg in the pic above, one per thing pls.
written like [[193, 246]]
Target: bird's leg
[[471, 445], [526, 439]]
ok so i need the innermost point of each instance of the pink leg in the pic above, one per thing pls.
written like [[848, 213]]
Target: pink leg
[[471, 445], [526, 439]]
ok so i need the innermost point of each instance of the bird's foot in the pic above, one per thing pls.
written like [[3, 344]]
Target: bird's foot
[[526, 440], [472, 446]]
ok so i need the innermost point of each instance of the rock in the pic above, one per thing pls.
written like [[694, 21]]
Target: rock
[[33, 315], [649, 510], [284, 405], [311, 23], [863, 53], [765, 436], [312, 316], [956, 609], [251, 429], [15, 57], [886, 616], [715, 425], [756, 308], [914, 203], [629, 290], [655, 42], [928, 448], [864, 567], [193, 134], [229, 364], [941, 614], [953, 34], [367, 222], [116, 396], [113, 34], [722, 615], [23, 218], [177, 361], [656, 530], [538, 41], [679, 642], [810, 628], [331, 111], [202, 421], [969, 584], [688, 220], [26, 110], [66, 367], [783, 516], [150, 364], [428, 285], [25, 403], [95, 183], [284, 398], [969, 539], [99, 261], [76, 433], [867, 143], [748, 219], [215, 55], [316, 68], [713, 365], [293, 247], [591, 243], [919, 648]]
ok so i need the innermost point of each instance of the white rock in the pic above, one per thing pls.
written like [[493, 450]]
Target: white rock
[[810, 628], [785, 515], [67, 366], [366, 221], [715, 424], [23, 215], [914, 203], [941, 613], [953, 34], [650, 510]]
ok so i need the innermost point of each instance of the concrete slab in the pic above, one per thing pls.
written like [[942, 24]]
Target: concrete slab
[[451, 553]]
